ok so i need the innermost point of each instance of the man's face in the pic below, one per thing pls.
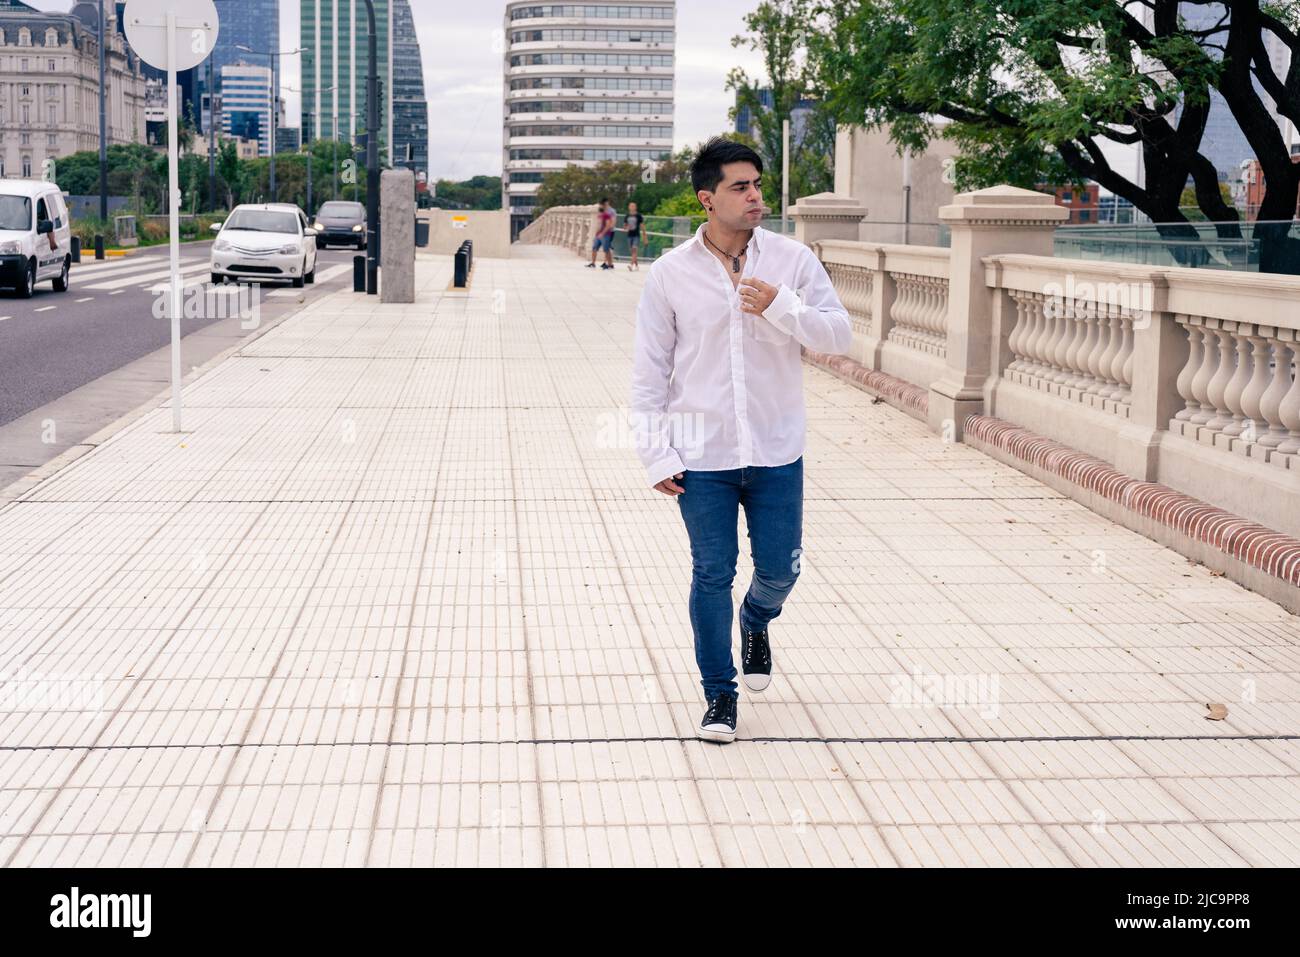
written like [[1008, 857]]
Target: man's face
[[738, 201]]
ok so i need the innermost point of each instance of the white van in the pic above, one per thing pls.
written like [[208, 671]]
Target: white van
[[35, 236]]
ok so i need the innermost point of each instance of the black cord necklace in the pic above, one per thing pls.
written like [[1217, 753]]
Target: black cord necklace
[[735, 260]]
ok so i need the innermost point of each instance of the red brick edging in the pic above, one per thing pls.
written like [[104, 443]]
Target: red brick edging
[[887, 386], [1249, 542]]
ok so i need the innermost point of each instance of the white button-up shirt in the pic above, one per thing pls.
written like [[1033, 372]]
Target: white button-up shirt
[[717, 388]]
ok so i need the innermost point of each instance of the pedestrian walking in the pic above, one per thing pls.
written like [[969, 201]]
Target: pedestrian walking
[[604, 236], [718, 409], [632, 223]]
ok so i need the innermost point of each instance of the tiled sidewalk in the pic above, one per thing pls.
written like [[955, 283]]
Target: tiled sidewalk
[[396, 598]]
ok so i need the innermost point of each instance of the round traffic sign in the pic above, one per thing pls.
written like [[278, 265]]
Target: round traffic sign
[[145, 22]]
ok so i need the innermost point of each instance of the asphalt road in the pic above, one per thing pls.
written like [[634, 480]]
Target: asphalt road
[[56, 342]]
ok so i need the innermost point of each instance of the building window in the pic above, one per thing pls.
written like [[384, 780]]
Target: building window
[[51, 139], [49, 64], [24, 138], [51, 37], [54, 115], [27, 167], [24, 39], [27, 113]]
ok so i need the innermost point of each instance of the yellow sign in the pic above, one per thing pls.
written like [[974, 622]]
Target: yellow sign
[[459, 222]]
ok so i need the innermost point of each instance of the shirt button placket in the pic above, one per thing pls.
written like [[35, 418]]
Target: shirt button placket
[[746, 451]]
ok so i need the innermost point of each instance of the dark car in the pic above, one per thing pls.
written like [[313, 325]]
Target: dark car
[[341, 223]]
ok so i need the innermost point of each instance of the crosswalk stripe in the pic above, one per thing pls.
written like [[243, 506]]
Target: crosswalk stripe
[[86, 299], [142, 280], [333, 271], [102, 270], [45, 308]]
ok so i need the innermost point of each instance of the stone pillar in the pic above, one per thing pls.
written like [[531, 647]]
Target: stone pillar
[[826, 216], [397, 235], [1000, 219], [1160, 349]]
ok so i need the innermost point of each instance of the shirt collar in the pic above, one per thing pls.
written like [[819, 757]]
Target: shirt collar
[[755, 242]]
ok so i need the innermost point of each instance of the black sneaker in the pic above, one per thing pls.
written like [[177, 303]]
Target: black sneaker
[[591, 265], [755, 659], [719, 722]]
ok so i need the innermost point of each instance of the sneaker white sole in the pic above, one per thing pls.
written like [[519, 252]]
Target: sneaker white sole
[[716, 733], [757, 682]]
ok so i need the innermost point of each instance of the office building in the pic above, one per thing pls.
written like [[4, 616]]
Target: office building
[[254, 24], [246, 104], [583, 83], [335, 63], [410, 109]]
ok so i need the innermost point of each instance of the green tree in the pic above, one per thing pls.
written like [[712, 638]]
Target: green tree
[[779, 31], [1033, 87], [477, 192], [230, 172]]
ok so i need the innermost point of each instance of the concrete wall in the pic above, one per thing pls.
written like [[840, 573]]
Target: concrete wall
[[868, 168], [488, 228]]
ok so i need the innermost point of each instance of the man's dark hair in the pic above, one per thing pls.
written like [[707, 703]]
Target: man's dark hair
[[706, 171], [604, 199]]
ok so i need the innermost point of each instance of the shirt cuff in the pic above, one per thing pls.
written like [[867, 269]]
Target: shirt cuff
[[782, 306], [665, 467]]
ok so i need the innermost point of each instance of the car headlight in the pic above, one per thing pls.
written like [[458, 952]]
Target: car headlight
[[220, 246], [358, 228], [290, 249], [13, 246]]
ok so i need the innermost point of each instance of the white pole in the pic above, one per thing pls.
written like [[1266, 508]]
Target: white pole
[[785, 171], [174, 196]]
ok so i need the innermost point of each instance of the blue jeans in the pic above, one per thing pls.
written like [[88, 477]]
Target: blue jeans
[[772, 497]]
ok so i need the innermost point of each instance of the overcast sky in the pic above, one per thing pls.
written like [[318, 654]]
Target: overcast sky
[[461, 47]]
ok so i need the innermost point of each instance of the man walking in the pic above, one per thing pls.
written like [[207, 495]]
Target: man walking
[[604, 238], [632, 223], [718, 411]]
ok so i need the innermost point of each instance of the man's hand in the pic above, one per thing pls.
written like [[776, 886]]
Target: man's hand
[[669, 487], [756, 295]]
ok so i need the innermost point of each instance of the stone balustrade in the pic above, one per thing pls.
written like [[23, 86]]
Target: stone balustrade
[[571, 227], [905, 288]]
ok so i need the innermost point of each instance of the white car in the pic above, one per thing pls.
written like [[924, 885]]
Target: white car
[[264, 241], [35, 236]]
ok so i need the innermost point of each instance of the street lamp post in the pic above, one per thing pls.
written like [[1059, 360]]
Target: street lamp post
[[212, 142], [372, 156]]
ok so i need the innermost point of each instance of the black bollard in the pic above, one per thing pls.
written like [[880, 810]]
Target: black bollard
[[76, 249], [99, 246], [358, 273]]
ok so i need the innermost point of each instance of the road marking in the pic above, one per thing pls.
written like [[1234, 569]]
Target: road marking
[[45, 308], [333, 271], [87, 299], [3, 318], [98, 270], [143, 279], [117, 293]]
